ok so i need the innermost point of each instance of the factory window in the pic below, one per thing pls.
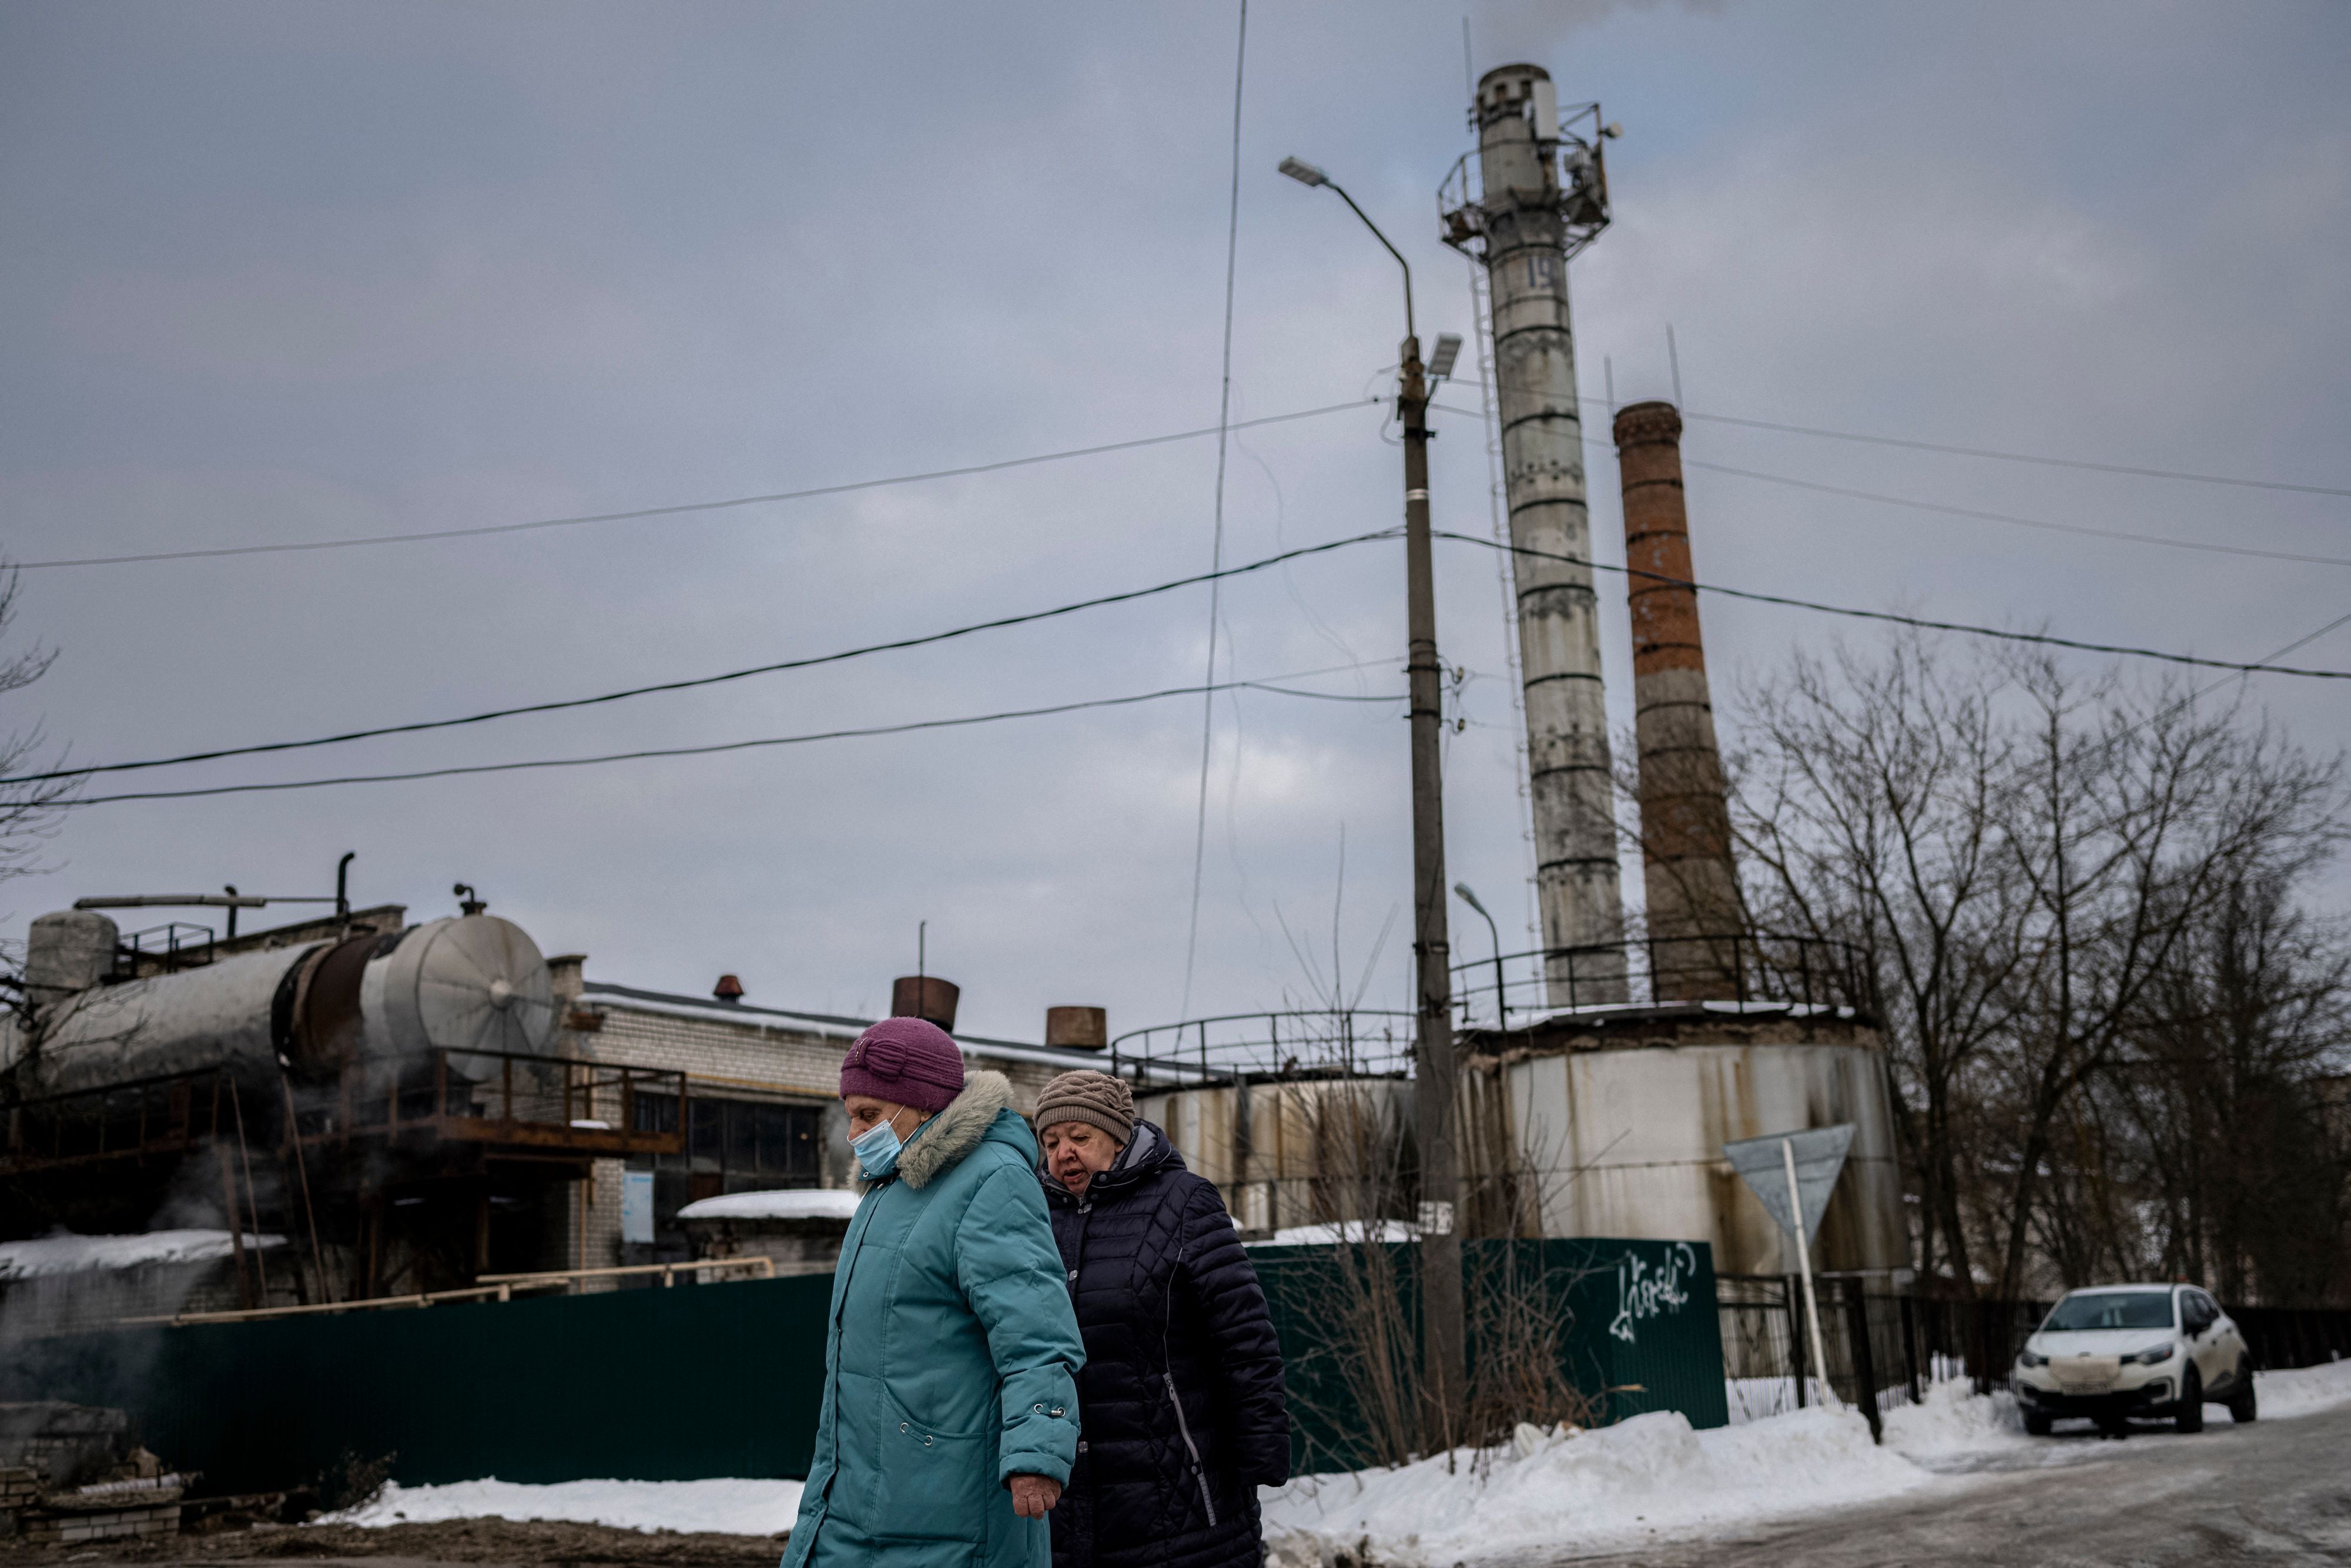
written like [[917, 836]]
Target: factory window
[[750, 1144], [655, 1112]]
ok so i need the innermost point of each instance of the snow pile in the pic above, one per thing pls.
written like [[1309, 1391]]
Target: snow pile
[[65, 1253], [1649, 1476], [727, 1507], [2304, 1390], [799, 1203], [1954, 1419]]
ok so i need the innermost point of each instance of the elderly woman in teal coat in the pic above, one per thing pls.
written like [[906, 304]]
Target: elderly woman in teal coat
[[950, 1414]]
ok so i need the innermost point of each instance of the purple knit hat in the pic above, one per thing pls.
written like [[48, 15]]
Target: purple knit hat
[[905, 1062]]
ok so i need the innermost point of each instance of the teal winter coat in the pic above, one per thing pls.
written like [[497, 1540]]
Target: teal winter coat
[[951, 1362]]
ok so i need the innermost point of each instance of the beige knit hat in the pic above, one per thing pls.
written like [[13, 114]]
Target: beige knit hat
[[1095, 1098]]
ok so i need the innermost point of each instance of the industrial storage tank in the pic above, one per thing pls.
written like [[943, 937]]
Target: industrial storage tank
[[471, 982], [1612, 1123]]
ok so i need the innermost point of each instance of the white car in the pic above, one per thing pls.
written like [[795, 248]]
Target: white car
[[2120, 1352]]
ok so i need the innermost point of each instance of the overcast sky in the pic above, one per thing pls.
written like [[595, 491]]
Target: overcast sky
[[277, 272]]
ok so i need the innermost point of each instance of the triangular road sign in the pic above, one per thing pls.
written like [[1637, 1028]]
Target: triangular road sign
[[1820, 1155]]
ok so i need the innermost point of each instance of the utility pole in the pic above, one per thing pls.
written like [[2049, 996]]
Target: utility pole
[[1442, 1366]]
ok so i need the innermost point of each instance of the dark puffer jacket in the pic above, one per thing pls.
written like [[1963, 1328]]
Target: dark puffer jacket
[[1183, 1413]]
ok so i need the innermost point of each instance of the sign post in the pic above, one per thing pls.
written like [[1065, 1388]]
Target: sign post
[[1792, 1173]]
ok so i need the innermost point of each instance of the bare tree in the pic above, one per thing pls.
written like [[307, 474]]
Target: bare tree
[[2035, 861], [1865, 807], [30, 808]]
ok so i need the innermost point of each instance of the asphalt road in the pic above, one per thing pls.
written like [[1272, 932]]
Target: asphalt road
[[2273, 1492]]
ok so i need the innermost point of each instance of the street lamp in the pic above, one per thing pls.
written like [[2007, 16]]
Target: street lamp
[[1442, 1345], [1501, 994]]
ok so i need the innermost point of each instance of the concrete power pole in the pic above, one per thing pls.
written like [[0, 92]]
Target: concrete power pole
[[1540, 196], [1442, 1342]]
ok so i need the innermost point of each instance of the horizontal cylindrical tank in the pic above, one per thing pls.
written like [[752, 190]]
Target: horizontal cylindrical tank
[[1620, 1133], [474, 983]]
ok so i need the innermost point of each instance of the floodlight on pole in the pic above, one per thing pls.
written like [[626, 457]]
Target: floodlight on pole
[[1305, 173], [1440, 365]]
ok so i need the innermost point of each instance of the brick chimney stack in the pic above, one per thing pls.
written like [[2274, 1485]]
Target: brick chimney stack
[[1691, 883]]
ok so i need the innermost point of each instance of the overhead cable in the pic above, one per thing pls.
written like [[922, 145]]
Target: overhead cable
[[1217, 547], [2023, 456], [1957, 451], [2043, 638], [2020, 522], [560, 704], [686, 507], [918, 725]]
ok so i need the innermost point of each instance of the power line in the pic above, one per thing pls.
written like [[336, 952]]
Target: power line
[[1958, 451], [2043, 638], [2023, 456], [1217, 547], [2020, 522], [918, 725], [685, 508], [811, 661]]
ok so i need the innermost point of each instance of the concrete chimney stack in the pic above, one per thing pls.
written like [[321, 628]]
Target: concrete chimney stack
[[1534, 203], [1692, 885]]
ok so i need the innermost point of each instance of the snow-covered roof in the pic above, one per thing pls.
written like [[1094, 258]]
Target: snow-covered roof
[[825, 1025], [65, 1253], [1346, 1231], [797, 1203]]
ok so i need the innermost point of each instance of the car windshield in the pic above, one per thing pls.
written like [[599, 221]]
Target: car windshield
[[2110, 1310]]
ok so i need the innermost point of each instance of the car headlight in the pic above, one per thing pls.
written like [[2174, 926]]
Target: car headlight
[[2031, 1358], [2161, 1353]]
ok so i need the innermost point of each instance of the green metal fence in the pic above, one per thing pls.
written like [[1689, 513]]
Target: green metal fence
[[725, 1379], [649, 1385], [1639, 1330]]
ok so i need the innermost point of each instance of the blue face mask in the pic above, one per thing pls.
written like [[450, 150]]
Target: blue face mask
[[877, 1150]]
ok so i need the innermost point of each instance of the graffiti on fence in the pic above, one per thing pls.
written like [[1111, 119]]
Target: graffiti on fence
[[1645, 1290]]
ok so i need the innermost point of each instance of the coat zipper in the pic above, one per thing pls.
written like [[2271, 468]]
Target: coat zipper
[[1186, 1428]]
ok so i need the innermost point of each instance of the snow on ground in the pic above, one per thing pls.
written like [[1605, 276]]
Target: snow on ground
[[65, 1253], [799, 1203], [732, 1508], [2302, 1390], [1649, 1477]]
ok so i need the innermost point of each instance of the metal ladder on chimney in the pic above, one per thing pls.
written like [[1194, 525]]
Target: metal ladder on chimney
[[1497, 520]]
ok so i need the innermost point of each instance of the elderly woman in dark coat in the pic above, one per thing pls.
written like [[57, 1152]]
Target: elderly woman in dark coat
[[1184, 1414]]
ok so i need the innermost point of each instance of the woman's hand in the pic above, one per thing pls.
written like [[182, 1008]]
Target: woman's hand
[[1033, 1497]]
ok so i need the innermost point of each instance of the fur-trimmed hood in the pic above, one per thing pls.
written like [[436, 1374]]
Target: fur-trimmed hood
[[943, 1142]]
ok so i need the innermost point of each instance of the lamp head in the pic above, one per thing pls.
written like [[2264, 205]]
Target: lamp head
[[1305, 173], [1440, 365], [1462, 888]]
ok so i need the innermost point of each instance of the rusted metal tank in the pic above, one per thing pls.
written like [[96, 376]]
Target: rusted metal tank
[[1612, 1123], [1299, 1151], [473, 982]]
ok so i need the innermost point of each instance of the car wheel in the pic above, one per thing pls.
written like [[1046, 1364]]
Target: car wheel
[[2192, 1402], [2037, 1424], [2243, 1406]]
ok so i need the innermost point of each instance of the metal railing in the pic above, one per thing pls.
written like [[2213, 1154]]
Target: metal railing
[[1750, 967], [1301, 1043], [162, 950], [504, 1097], [554, 1103]]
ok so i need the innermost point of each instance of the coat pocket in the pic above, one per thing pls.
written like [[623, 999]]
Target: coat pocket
[[933, 1485]]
